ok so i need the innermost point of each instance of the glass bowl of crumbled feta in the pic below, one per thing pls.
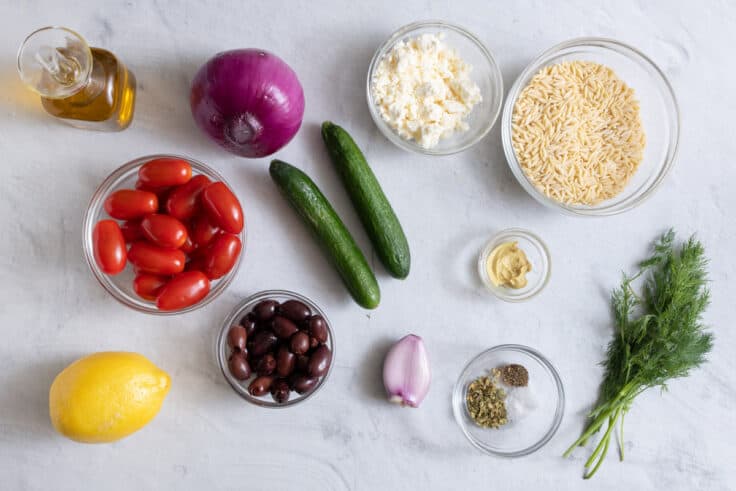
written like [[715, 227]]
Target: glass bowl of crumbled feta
[[434, 88]]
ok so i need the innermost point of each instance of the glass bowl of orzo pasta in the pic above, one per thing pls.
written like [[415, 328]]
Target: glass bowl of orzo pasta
[[591, 127]]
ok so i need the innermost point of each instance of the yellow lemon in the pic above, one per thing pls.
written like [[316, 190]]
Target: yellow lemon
[[106, 396]]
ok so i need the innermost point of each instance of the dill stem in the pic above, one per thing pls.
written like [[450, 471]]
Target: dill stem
[[621, 437], [592, 429], [603, 444], [615, 405], [607, 440]]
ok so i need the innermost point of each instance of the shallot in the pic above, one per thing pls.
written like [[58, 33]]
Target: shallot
[[406, 371]]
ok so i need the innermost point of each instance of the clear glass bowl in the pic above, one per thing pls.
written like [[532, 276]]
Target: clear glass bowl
[[524, 436], [485, 73], [222, 350], [659, 113], [120, 286], [537, 254]]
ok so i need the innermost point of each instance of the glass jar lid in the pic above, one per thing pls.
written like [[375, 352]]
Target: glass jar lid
[[55, 62]]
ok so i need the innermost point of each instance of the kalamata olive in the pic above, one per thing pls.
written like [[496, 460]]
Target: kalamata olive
[[303, 383], [302, 361], [263, 342], [319, 361], [265, 365], [318, 328], [265, 310], [294, 310], [249, 323], [236, 337], [285, 361], [280, 390], [283, 327], [313, 343], [264, 325], [239, 367], [299, 343], [260, 386]]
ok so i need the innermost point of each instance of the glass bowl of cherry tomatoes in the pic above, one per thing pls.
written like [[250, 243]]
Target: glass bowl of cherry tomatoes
[[164, 234]]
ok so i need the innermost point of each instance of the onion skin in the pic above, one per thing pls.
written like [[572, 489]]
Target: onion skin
[[406, 372], [249, 101]]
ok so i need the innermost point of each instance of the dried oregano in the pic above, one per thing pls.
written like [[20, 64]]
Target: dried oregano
[[485, 403]]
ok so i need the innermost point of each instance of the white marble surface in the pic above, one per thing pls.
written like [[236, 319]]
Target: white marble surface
[[53, 311]]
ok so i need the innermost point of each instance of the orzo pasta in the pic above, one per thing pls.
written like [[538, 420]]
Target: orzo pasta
[[577, 132]]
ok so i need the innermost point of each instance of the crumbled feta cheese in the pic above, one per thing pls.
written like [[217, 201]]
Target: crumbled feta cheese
[[423, 90]]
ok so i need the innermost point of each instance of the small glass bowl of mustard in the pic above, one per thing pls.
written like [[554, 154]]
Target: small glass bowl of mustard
[[514, 265]]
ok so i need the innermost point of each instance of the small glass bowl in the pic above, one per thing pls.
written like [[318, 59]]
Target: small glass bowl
[[120, 286], [485, 73], [222, 350], [516, 438], [659, 113], [537, 254]]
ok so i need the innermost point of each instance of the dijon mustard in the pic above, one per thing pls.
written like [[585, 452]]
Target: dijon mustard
[[507, 265]]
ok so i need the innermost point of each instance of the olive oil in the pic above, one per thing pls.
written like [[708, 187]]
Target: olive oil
[[86, 87]]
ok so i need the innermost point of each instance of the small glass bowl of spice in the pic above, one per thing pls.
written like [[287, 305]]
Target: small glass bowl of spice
[[434, 88], [509, 401], [514, 265]]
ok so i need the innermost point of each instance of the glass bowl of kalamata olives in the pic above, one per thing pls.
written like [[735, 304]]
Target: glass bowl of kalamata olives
[[275, 348]]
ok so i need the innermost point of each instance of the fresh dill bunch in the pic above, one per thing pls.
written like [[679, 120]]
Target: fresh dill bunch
[[659, 336]]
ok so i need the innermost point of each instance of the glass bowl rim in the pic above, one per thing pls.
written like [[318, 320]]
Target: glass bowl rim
[[530, 236], [389, 133], [97, 201], [559, 410], [673, 138], [237, 312]]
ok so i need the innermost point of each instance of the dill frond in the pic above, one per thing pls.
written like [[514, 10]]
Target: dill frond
[[659, 335]]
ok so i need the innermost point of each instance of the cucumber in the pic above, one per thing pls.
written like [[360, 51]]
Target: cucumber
[[330, 231], [374, 210]]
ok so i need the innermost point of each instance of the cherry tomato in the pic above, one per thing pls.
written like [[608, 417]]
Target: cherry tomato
[[157, 260], [221, 255], [148, 285], [126, 204], [157, 191], [183, 290], [183, 201], [161, 193], [108, 245], [131, 231], [196, 263], [223, 207], [202, 231], [158, 173], [164, 231], [188, 246]]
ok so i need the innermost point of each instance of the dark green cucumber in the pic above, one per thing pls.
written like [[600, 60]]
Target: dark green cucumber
[[333, 236], [379, 219]]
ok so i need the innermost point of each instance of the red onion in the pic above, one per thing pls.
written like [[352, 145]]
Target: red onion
[[248, 101], [406, 372]]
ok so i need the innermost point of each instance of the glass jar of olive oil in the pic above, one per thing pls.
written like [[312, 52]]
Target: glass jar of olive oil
[[86, 87]]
